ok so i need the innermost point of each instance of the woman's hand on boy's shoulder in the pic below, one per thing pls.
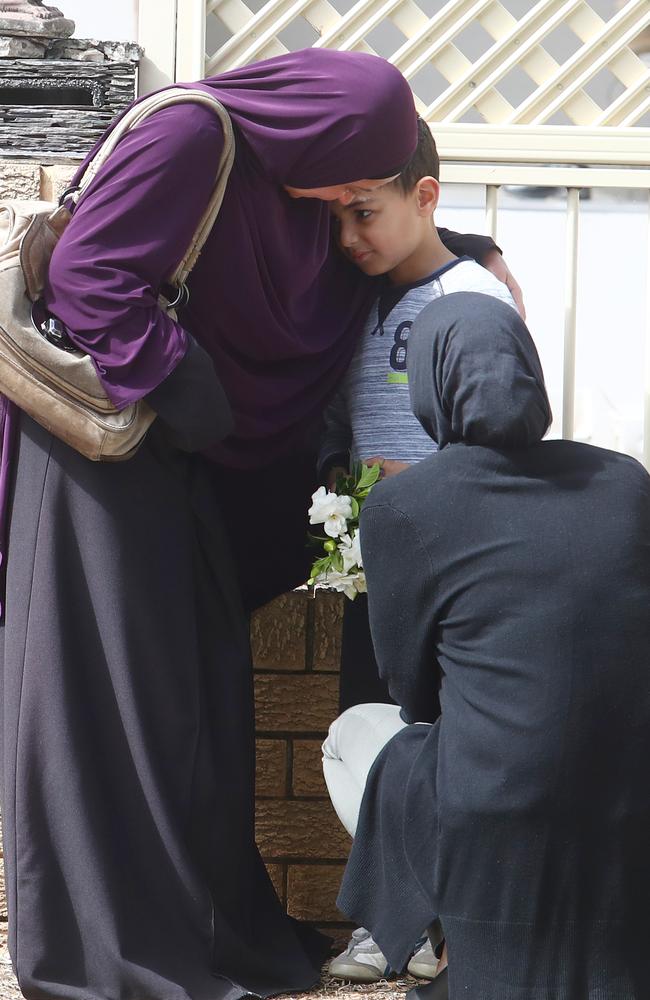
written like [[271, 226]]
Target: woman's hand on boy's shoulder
[[495, 263]]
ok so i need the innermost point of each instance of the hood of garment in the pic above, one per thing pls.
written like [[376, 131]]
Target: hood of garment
[[475, 374], [318, 117]]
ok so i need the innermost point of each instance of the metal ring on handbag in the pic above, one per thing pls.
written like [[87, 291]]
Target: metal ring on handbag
[[182, 298], [68, 191]]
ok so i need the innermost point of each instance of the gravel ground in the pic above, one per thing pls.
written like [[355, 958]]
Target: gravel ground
[[334, 989]]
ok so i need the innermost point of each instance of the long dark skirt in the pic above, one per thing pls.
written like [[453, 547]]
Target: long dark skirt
[[128, 741]]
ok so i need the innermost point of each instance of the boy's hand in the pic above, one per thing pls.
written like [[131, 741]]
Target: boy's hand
[[494, 262], [388, 466], [333, 475]]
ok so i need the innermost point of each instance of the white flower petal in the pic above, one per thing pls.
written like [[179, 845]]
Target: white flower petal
[[335, 525], [343, 583], [324, 504], [350, 551], [343, 506]]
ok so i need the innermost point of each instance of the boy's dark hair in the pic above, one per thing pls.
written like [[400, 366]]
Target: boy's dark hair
[[425, 161]]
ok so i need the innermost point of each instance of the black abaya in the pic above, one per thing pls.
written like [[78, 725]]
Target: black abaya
[[128, 741]]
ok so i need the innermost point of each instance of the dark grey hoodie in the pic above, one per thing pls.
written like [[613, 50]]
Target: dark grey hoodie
[[509, 591]]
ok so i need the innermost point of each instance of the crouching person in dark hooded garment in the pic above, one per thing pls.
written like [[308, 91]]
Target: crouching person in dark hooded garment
[[509, 588]]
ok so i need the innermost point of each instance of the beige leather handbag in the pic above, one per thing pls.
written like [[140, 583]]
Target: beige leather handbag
[[40, 370]]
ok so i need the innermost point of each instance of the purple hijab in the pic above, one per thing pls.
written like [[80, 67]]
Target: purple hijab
[[271, 300]]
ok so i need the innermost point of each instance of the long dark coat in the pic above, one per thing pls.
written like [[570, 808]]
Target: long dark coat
[[510, 605]]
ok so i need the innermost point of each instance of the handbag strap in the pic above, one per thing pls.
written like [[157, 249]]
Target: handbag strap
[[138, 113]]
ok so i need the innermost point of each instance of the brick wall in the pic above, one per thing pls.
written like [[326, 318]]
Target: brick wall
[[296, 648]]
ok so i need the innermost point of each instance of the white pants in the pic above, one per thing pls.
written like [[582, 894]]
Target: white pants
[[353, 742], [352, 745]]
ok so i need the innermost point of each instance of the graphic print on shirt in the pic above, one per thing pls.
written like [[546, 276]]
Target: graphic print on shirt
[[400, 347], [386, 304], [371, 414]]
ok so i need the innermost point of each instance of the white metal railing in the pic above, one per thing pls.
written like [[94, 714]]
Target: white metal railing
[[574, 180], [518, 141]]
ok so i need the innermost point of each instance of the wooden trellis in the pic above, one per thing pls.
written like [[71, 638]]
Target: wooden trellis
[[556, 88]]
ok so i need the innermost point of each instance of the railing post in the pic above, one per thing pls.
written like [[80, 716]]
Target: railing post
[[570, 313], [157, 36], [646, 387], [190, 40], [491, 209]]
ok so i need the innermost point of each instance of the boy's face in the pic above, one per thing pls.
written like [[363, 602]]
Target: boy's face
[[380, 230]]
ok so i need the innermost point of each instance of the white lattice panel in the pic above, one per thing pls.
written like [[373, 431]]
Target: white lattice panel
[[468, 61]]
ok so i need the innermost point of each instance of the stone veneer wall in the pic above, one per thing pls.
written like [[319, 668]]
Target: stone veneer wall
[[296, 646]]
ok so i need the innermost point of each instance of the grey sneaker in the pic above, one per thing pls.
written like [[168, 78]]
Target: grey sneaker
[[424, 963], [361, 962]]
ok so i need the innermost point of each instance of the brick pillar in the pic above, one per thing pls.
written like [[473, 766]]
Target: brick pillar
[[296, 649]]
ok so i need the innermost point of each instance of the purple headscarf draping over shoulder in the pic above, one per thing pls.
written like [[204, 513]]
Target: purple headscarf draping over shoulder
[[271, 300]]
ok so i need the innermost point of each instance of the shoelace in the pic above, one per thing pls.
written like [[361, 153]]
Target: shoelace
[[361, 940]]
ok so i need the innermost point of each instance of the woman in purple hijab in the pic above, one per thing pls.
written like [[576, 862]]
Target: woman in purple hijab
[[128, 732]]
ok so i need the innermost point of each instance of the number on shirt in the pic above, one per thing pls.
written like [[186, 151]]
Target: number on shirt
[[398, 352]]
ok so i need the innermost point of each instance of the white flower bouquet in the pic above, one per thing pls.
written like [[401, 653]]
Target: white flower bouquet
[[338, 511]]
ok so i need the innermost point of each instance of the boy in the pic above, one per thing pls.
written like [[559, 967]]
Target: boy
[[388, 233]]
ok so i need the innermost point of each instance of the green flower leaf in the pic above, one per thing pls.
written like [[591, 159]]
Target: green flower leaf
[[320, 566], [368, 477]]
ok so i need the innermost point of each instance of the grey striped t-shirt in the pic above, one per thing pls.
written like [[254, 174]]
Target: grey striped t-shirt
[[371, 413]]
